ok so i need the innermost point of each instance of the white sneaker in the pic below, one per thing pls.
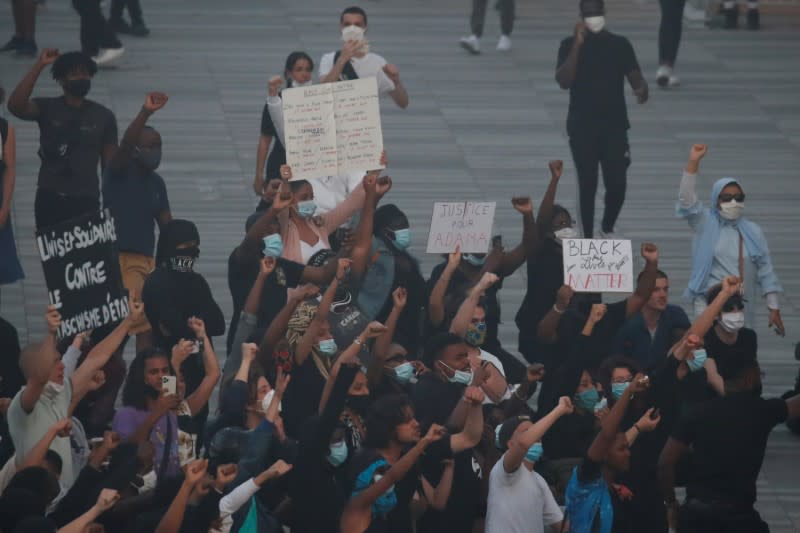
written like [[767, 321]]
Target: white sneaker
[[504, 44], [674, 81], [471, 44], [108, 55], [663, 75]]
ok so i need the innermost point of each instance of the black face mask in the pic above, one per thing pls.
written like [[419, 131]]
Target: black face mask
[[359, 404], [77, 88]]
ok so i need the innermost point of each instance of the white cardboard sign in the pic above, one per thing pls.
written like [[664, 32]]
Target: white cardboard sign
[[598, 265], [332, 129], [464, 224]]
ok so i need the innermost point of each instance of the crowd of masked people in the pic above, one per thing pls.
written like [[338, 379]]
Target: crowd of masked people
[[358, 395]]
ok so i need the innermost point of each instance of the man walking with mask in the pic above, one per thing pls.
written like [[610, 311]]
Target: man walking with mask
[[137, 198], [355, 61], [593, 64], [75, 134]]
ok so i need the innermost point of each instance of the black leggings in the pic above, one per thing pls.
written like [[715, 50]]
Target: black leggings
[[611, 152], [506, 8], [96, 32], [669, 31]]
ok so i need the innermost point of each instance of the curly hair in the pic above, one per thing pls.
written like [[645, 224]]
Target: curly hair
[[134, 393], [72, 62]]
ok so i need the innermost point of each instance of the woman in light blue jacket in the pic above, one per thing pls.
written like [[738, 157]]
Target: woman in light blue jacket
[[726, 244]]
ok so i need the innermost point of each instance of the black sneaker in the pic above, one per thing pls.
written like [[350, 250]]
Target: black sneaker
[[731, 18], [120, 26], [12, 44], [27, 49], [753, 19], [138, 29]]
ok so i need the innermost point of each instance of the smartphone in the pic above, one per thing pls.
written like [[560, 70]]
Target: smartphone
[[170, 384], [95, 442]]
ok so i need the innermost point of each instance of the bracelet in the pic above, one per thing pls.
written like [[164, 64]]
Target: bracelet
[[636, 427], [358, 342], [557, 310]]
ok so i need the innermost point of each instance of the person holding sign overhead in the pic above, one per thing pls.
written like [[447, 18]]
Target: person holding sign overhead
[[137, 198], [355, 60], [74, 134], [726, 243]]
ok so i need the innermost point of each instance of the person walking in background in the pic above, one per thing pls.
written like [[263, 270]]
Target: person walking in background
[[10, 269], [137, 27], [98, 39], [669, 39], [730, 10], [23, 42], [506, 8], [593, 64]]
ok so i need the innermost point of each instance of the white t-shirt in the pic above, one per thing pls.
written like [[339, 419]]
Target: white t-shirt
[[369, 66], [519, 502], [332, 190], [27, 429]]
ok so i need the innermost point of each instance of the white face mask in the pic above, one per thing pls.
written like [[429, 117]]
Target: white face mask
[[52, 389], [352, 33], [732, 322], [595, 24], [355, 33], [565, 233], [731, 210], [268, 400]]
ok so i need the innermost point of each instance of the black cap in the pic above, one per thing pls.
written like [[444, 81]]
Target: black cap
[[508, 428]]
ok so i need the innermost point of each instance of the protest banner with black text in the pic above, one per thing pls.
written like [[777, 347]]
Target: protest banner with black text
[[598, 265]]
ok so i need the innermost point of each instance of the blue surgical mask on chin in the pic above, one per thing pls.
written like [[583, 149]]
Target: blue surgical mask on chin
[[699, 360], [403, 373], [462, 377], [474, 260], [273, 245], [328, 347], [618, 389], [402, 238], [307, 208], [535, 452], [337, 453]]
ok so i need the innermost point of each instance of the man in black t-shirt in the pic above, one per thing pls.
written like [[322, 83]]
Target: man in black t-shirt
[[593, 65], [728, 439], [74, 135]]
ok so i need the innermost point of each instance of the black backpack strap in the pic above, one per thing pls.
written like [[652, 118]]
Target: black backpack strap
[[348, 72]]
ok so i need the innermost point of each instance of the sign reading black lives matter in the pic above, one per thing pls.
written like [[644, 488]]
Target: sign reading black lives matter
[[81, 270]]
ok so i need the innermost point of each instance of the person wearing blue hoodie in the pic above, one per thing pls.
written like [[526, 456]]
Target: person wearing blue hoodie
[[726, 244]]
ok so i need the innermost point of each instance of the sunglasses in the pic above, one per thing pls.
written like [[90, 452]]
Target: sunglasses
[[729, 197]]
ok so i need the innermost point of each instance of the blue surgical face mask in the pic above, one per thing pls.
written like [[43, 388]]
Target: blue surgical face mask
[[337, 453], [402, 238], [535, 452], [474, 260], [463, 377], [699, 360], [273, 245], [327, 347], [587, 399], [307, 208], [403, 373], [618, 389]]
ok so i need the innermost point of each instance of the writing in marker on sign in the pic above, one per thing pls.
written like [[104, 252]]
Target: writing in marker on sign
[[463, 225], [598, 265]]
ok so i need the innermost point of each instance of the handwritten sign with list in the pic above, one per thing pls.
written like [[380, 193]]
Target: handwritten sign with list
[[598, 265], [81, 270], [333, 129], [467, 225]]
